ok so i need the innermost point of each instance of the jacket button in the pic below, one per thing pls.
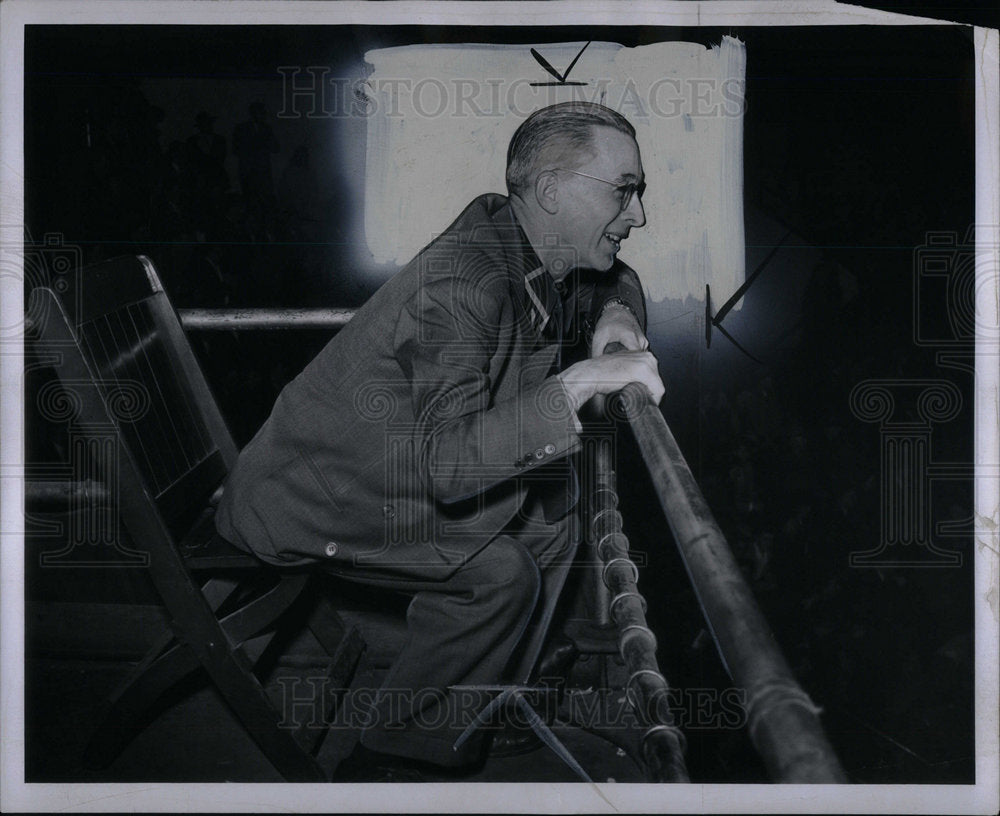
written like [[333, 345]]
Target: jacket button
[[539, 453], [389, 511], [550, 449], [331, 548]]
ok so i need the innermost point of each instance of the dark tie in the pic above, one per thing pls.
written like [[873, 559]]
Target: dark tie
[[563, 491], [557, 328]]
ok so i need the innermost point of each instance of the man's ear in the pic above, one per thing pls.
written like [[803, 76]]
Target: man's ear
[[547, 192]]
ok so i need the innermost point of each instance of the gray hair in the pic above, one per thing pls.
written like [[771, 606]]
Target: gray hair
[[556, 134]]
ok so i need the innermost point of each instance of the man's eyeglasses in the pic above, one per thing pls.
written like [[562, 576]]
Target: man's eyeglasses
[[625, 191]]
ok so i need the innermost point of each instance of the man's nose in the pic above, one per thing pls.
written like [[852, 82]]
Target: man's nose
[[635, 213]]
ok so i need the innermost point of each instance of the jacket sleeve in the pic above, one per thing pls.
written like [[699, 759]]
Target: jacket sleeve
[[620, 281], [448, 345]]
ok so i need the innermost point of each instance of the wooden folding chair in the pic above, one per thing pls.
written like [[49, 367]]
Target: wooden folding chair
[[128, 374]]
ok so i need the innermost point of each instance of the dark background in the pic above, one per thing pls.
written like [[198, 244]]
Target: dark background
[[859, 142]]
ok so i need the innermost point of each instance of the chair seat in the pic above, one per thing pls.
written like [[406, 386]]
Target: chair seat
[[204, 549]]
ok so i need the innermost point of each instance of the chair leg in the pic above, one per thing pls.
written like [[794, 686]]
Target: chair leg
[[162, 670], [163, 667], [333, 690], [233, 676], [122, 715], [340, 742], [347, 650], [326, 624]]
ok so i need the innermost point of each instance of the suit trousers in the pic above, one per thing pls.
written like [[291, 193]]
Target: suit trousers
[[483, 625]]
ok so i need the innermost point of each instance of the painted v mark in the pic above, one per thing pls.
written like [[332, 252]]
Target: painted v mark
[[561, 77]]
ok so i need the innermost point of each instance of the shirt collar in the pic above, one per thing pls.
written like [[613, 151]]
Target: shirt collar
[[542, 293]]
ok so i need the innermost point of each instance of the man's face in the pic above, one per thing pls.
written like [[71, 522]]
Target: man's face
[[590, 213]]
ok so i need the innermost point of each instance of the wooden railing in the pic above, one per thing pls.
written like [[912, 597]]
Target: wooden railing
[[268, 319], [783, 722]]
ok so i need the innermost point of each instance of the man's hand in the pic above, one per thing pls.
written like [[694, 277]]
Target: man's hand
[[617, 324], [610, 373]]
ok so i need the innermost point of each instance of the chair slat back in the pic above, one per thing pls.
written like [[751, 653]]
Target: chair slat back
[[155, 395]]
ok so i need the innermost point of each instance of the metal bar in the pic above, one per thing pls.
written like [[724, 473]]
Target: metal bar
[[40, 495], [783, 722], [647, 689], [267, 319]]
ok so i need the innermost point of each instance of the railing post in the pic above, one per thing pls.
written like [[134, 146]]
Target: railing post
[[647, 690], [783, 722]]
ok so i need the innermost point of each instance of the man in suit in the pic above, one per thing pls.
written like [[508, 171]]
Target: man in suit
[[427, 447]]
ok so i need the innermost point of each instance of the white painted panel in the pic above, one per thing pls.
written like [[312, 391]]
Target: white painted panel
[[441, 117]]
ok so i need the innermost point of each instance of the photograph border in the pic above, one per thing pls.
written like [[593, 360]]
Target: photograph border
[[982, 797]]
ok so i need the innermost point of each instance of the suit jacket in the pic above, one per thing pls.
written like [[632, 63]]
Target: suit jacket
[[413, 436]]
